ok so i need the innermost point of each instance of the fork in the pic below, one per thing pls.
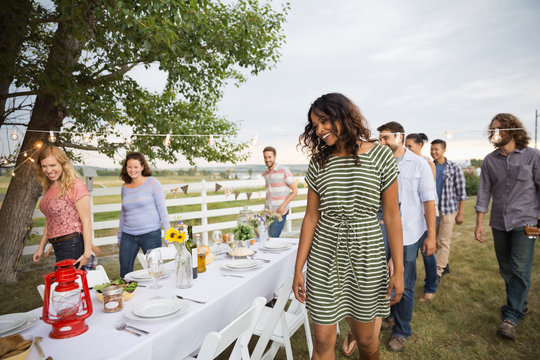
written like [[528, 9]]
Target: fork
[[136, 329], [231, 275], [195, 301], [123, 327]]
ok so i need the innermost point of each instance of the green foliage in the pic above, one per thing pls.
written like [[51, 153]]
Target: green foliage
[[244, 232], [471, 183], [477, 162], [201, 45]]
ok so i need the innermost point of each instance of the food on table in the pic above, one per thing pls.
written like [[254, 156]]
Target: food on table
[[241, 252], [129, 288], [13, 345], [209, 258]]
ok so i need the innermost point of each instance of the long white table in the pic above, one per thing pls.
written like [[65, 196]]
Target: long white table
[[178, 337]]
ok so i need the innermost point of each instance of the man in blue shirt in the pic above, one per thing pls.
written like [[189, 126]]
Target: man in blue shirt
[[417, 205], [450, 184]]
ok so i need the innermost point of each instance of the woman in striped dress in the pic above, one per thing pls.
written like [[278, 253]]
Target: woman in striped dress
[[347, 275]]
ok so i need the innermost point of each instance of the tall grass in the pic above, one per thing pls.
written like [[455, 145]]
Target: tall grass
[[459, 323]]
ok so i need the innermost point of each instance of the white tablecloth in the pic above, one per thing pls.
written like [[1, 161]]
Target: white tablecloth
[[226, 298]]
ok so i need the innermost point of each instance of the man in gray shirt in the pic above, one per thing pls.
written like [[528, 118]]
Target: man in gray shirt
[[511, 176]]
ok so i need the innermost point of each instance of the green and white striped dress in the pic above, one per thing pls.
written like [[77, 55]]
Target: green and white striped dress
[[347, 275]]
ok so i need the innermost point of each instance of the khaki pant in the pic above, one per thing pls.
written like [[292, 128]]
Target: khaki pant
[[444, 236]]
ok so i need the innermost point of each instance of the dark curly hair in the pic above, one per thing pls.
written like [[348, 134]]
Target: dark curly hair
[[334, 107], [509, 121], [134, 156]]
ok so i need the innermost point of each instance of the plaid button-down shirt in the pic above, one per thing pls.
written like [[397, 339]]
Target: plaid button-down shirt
[[453, 188]]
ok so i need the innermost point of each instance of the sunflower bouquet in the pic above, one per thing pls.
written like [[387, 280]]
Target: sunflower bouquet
[[176, 234]]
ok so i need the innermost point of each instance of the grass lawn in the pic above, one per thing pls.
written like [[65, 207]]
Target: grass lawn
[[459, 323]]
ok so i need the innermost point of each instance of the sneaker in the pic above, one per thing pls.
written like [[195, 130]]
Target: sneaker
[[387, 323], [396, 344], [446, 270], [507, 330]]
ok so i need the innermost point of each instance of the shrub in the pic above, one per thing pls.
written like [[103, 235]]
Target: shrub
[[471, 183]]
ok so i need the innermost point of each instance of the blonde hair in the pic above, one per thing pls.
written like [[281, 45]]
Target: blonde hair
[[68, 171]]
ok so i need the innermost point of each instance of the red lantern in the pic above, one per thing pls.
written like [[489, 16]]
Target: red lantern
[[70, 300]]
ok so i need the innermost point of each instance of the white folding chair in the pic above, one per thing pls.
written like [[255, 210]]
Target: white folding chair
[[240, 329], [93, 278], [278, 324], [167, 253]]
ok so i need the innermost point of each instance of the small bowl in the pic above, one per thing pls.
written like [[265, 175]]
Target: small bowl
[[24, 354], [127, 295]]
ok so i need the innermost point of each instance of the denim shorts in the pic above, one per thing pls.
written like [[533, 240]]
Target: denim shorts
[[69, 249]]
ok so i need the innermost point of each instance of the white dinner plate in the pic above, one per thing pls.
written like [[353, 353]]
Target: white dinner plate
[[128, 312], [217, 250], [157, 308], [11, 321], [29, 320], [243, 264], [143, 275], [271, 245]]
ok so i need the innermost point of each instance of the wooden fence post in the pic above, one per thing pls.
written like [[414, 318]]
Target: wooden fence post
[[204, 209]]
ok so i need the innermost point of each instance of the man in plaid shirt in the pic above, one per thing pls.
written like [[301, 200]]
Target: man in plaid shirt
[[450, 184]]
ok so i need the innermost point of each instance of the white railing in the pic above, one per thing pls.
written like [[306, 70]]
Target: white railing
[[203, 214]]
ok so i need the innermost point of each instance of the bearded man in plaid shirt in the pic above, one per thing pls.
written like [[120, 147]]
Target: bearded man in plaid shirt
[[450, 184]]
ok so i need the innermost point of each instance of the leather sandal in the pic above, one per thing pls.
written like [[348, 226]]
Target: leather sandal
[[348, 345]]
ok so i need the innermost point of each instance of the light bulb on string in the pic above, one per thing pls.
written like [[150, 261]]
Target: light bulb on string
[[167, 140], [496, 138], [38, 144], [14, 136], [52, 138], [129, 140], [254, 140], [5, 161], [25, 154], [211, 142], [448, 135], [398, 138], [31, 159], [13, 173], [86, 138]]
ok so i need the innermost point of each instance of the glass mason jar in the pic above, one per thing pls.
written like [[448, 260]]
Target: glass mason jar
[[183, 267]]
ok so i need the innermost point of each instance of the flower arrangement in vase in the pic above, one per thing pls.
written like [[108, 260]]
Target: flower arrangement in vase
[[261, 222], [244, 233], [182, 260]]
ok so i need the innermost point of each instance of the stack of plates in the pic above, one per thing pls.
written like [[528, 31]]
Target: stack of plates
[[243, 264], [143, 275], [275, 246], [17, 322], [157, 309]]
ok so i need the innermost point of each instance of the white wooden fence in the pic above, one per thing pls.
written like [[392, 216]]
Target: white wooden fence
[[203, 200]]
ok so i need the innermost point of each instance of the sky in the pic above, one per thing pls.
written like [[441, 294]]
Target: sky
[[432, 66]]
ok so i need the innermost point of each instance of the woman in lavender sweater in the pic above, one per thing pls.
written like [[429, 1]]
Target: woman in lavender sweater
[[143, 211]]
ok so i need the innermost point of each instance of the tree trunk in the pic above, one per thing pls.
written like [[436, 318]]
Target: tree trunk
[[14, 22], [23, 191]]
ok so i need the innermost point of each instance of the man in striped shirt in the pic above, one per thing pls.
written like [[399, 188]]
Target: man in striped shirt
[[280, 189], [450, 184]]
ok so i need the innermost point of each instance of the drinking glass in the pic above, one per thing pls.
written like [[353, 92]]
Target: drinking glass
[[232, 243], [155, 266]]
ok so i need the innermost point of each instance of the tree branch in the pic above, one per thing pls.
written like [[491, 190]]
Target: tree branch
[[125, 67], [15, 94]]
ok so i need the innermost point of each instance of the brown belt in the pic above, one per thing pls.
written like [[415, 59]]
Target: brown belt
[[59, 239]]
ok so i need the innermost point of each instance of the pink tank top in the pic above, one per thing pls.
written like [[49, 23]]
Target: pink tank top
[[61, 213]]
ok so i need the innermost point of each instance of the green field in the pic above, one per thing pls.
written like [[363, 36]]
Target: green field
[[459, 323]]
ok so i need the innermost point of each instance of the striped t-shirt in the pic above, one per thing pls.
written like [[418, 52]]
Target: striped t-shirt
[[277, 186], [143, 209]]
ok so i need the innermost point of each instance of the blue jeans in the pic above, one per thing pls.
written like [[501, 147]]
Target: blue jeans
[[276, 227], [69, 249], [514, 252], [129, 247], [430, 265], [402, 311]]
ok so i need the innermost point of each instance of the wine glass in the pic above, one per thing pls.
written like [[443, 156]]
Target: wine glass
[[155, 266], [232, 243]]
